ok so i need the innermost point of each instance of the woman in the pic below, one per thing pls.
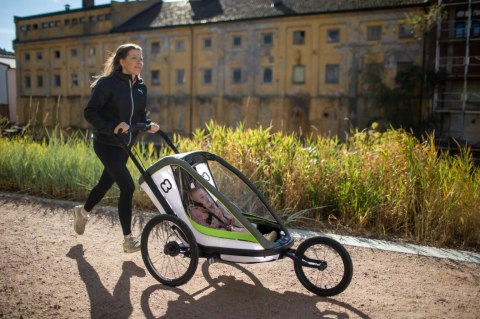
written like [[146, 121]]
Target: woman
[[118, 100]]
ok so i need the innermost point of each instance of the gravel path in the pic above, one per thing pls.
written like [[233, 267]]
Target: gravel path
[[47, 271]]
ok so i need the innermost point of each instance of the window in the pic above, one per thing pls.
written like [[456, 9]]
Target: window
[[180, 77], [374, 33], [267, 75], [331, 73], [207, 43], [66, 21], [101, 17], [92, 18], [44, 25], [180, 45], [56, 54], [91, 51], [460, 30], [35, 26], [73, 52], [298, 74], [28, 81], [405, 32], [39, 56], [82, 20], [268, 38], [299, 37], [27, 56], [237, 41], [207, 76], [155, 47], [39, 81], [333, 35], [475, 30], [74, 80], [237, 76], [57, 81], [75, 21], [155, 74]]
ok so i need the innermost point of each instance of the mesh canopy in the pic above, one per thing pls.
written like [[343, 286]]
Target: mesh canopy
[[237, 193]]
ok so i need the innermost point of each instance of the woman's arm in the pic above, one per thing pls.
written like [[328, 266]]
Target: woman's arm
[[93, 111]]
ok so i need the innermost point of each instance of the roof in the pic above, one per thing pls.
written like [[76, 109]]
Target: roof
[[170, 14], [16, 18], [10, 61]]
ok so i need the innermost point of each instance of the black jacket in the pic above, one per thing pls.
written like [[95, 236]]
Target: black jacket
[[115, 100]]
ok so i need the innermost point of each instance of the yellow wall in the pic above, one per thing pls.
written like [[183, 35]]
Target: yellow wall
[[313, 106]]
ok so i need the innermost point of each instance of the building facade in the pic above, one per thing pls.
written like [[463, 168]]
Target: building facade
[[295, 65], [455, 55]]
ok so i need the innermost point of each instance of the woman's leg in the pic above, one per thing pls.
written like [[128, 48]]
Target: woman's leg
[[114, 160], [98, 192]]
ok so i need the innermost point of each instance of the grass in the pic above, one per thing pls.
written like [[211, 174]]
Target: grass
[[384, 184]]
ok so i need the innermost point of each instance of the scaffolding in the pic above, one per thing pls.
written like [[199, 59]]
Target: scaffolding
[[456, 101]]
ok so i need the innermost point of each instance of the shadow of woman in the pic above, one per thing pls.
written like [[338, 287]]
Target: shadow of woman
[[103, 304], [232, 298]]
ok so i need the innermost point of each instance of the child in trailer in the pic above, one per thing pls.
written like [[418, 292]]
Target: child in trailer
[[208, 213]]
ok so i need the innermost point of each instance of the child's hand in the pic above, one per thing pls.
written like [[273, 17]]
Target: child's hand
[[230, 221]]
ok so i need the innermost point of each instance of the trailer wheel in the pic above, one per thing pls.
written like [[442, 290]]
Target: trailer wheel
[[169, 250], [324, 266]]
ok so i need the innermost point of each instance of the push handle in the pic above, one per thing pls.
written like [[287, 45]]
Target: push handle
[[142, 127]]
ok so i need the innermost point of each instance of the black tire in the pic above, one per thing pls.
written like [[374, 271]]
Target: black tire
[[169, 250], [335, 271]]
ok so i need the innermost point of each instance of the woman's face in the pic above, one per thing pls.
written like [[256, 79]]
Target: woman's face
[[133, 62]]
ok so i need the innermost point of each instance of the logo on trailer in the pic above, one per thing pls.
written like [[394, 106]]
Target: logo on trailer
[[206, 176], [166, 186]]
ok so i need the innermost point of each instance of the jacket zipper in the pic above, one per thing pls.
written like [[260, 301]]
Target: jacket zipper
[[131, 113]]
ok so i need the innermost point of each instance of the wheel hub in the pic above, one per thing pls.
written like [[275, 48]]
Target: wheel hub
[[171, 249], [322, 265]]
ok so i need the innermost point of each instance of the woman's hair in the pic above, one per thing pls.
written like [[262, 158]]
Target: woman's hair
[[112, 63]]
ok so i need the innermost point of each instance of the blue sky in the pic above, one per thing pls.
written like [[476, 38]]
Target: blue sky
[[25, 8]]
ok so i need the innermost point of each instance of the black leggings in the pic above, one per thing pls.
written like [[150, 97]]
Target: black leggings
[[114, 160]]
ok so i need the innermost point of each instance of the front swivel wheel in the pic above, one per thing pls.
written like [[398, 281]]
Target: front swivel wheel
[[323, 266]]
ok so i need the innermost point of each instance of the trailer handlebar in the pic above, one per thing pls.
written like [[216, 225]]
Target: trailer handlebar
[[143, 127]]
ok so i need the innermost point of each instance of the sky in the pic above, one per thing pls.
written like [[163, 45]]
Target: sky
[[25, 8]]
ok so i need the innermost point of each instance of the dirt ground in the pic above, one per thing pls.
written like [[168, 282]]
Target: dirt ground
[[47, 271]]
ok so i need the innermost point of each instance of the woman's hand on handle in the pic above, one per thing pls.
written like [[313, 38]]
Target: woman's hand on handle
[[154, 127], [124, 127]]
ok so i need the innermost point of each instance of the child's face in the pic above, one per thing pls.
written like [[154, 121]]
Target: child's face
[[202, 197]]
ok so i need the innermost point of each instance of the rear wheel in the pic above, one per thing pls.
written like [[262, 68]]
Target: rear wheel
[[169, 250], [324, 266]]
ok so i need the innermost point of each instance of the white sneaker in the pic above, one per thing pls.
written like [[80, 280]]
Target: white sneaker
[[80, 219], [272, 236], [131, 244]]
